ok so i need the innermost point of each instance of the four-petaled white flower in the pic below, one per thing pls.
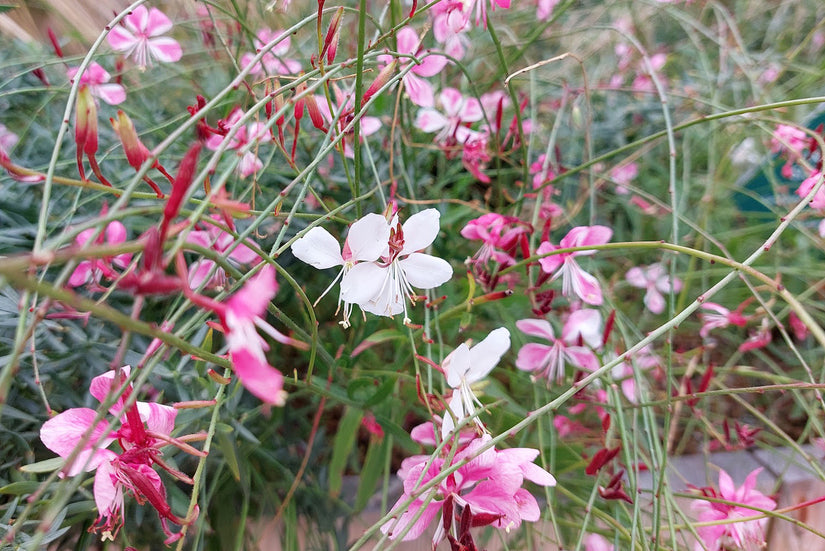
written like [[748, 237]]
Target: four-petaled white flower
[[141, 37], [465, 366], [366, 241]]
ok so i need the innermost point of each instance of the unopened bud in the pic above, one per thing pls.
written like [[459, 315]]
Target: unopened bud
[[136, 152], [382, 78], [333, 35]]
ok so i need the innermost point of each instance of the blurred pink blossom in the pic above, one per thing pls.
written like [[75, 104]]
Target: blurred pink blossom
[[575, 281], [274, 62], [97, 80], [655, 280], [747, 535], [548, 361], [140, 36]]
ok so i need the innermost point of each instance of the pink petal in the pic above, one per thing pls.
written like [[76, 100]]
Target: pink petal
[[113, 94], [654, 301], [582, 357], [121, 39], [138, 19], [583, 236], [157, 23], [165, 49], [81, 275], [108, 491], [585, 323], [203, 273], [430, 120], [244, 255], [536, 328], [63, 432], [430, 65], [451, 101], [258, 377], [419, 90], [251, 301], [636, 277], [101, 387], [533, 356], [408, 41], [726, 486], [584, 285], [471, 111], [158, 417], [549, 263]]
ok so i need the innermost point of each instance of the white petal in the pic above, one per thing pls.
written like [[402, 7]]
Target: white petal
[[367, 238], [318, 249], [363, 282], [420, 230], [457, 407], [456, 365], [485, 355], [425, 271]]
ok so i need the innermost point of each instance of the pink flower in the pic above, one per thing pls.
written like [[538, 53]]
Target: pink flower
[[818, 200], [382, 288], [655, 280], [366, 241], [145, 428], [789, 139], [450, 26], [582, 327], [97, 79], [252, 133], [499, 236], [575, 281], [91, 271], [489, 484], [453, 125], [748, 535], [241, 317], [419, 90], [466, 366], [273, 62], [205, 271], [8, 139], [140, 36], [369, 125], [549, 361], [722, 317], [595, 542], [623, 175], [545, 9]]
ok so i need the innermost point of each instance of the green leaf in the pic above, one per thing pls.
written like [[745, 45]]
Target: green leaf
[[369, 391], [228, 448], [8, 7], [344, 441], [45, 466], [24, 487], [371, 472]]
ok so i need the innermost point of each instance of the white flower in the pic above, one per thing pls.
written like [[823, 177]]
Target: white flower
[[465, 366], [366, 241], [382, 288]]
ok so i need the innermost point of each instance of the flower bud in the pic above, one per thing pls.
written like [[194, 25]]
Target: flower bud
[[136, 152]]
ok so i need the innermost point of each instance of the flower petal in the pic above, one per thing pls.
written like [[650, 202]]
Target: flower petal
[[537, 328], [485, 355], [319, 249], [420, 230], [367, 237], [258, 377], [425, 271], [165, 49]]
